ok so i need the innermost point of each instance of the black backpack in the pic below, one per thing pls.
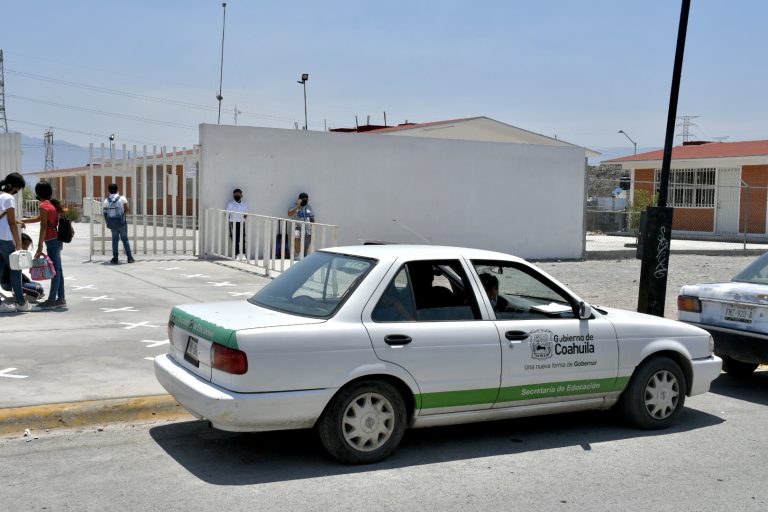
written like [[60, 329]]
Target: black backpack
[[65, 230]]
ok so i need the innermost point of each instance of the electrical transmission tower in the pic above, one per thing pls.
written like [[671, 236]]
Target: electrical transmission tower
[[686, 127], [49, 149], [3, 119]]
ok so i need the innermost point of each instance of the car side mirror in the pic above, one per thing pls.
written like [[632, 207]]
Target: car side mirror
[[585, 311]]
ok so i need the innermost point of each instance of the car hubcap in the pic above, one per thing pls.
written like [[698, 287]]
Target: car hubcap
[[368, 422], [661, 395]]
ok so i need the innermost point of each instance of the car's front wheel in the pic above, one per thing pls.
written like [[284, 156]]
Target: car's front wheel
[[363, 423], [655, 395], [737, 368]]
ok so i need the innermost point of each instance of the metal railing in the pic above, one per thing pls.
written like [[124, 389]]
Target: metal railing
[[269, 244]]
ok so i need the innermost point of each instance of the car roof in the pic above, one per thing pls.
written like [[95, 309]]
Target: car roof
[[391, 252]]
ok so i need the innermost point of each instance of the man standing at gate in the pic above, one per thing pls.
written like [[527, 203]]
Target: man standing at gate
[[115, 209], [304, 214], [236, 214]]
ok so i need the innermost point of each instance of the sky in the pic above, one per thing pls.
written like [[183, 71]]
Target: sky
[[148, 71]]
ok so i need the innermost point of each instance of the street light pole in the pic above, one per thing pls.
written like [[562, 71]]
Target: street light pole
[[630, 139], [303, 81], [221, 68]]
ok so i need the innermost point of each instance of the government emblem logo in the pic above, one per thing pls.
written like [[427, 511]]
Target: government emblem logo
[[541, 344]]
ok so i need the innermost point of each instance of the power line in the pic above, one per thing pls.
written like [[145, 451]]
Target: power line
[[90, 134], [105, 113], [155, 99]]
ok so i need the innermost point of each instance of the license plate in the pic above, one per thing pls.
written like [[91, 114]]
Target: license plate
[[190, 354], [738, 313]]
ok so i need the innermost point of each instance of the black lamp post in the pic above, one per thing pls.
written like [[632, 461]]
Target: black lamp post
[[303, 81]]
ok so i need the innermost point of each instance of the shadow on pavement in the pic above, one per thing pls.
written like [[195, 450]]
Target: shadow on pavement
[[752, 388], [226, 458]]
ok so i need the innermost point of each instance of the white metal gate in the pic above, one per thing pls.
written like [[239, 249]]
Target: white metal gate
[[728, 200], [162, 191]]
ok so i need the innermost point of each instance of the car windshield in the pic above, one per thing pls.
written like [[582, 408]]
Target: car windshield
[[316, 287], [756, 272]]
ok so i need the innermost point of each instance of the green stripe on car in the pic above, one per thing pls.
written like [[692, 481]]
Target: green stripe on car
[[519, 393], [203, 328]]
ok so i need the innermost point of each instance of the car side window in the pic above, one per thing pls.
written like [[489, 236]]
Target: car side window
[[517, 292], [396, 303], [428, 291]]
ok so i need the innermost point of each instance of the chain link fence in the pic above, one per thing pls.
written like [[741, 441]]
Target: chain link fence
[[708, 218]]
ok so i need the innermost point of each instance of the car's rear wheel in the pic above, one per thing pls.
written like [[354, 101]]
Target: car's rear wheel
[[737, 368], [655, 395], [363, 423]]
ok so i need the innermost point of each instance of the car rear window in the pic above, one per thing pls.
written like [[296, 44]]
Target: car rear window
[[315, 287], [756, 272]]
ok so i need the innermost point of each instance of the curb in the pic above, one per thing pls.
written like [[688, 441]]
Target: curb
[[87, 413]]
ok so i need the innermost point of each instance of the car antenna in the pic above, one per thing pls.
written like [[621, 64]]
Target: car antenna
[[411, 230]]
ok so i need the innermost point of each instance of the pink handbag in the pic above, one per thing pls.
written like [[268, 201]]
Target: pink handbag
[[42, 268]]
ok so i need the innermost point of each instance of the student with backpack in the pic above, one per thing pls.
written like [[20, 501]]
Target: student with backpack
[[115, 209], [50, 211]]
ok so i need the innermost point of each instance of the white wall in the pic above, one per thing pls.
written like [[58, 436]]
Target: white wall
[[523, 199], [10, 153]]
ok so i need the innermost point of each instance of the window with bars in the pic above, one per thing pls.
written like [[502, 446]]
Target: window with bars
[[690, 188]]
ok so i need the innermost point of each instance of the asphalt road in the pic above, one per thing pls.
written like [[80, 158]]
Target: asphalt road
[[712, 460]]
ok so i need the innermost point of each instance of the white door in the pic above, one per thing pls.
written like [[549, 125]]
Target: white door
[[727, 201]]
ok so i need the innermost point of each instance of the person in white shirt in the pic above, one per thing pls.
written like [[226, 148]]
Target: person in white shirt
[[10, 239], [236, 214]]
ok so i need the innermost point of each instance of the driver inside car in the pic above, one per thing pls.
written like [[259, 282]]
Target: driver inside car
[[491, 285]]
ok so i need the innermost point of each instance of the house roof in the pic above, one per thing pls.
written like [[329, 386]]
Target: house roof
[[475, 128], [702, 150]]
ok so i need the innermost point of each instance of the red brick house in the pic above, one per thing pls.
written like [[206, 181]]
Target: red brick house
[[716, 188]]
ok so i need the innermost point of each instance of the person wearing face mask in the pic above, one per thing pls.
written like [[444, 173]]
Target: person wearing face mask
[[302, 212], [236, 215], [491, 285], [10, 240]]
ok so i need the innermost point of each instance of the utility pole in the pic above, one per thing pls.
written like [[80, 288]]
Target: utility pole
[[221, 68], [3, 119], [49, 149], [657, 229], [237, 112]]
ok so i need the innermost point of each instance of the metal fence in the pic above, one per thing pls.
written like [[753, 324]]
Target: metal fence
[[708, 216], [268, 244], [161, 187]]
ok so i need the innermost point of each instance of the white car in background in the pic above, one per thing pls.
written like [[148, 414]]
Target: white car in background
[[735, 313], [362, 342]]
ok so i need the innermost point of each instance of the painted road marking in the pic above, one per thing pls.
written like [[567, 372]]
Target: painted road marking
[[129, 325], [154, 343], [172, 268], [239, 294], [149, 358], [223, 283], [68, 278], [188, 276], [126, 308], [6, 373], [100, 297], [84, 287]]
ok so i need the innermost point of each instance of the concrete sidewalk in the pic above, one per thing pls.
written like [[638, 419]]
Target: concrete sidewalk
[[101, 346]]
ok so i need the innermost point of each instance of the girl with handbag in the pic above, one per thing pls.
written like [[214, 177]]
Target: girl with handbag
[[50, 209]]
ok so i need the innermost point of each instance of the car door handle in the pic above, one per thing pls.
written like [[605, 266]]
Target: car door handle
[[397, 339], [516, 335]]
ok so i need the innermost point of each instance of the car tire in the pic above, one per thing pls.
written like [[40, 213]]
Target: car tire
[[363, 423], [737, 368], [655, 395]]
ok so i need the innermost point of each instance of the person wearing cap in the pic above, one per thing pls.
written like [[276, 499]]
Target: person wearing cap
[[304, 214], [236, 214]]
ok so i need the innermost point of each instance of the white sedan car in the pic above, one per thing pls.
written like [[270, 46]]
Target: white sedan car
[[362, 342], [735, 313]]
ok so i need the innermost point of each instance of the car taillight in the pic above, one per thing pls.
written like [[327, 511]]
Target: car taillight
[[228, 360], [688, 303]]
